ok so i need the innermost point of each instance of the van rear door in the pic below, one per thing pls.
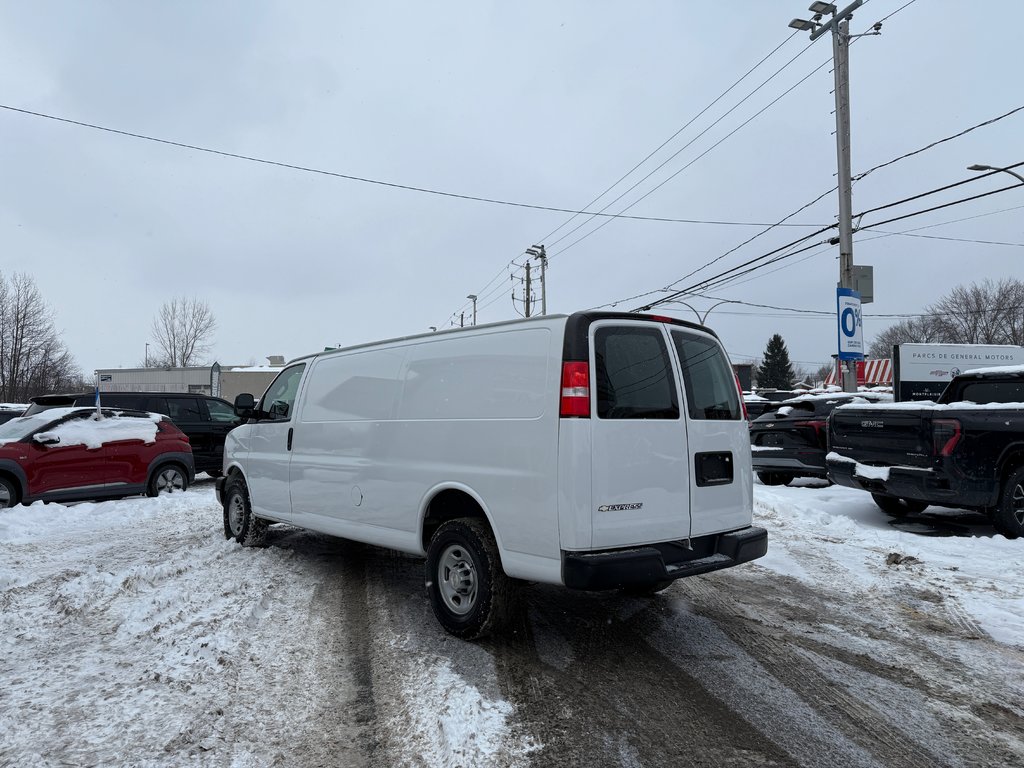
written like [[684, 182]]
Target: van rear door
[[721, 494], [640, 468]]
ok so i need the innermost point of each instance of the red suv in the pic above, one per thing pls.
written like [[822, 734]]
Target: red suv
[[68, 454]]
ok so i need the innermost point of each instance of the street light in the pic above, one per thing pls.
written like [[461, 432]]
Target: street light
[[703, 319], [472, 297], [977, 167], [147, 354]]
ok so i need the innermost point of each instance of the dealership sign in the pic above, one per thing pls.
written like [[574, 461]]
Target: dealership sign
[[922, 371], [851, 326]]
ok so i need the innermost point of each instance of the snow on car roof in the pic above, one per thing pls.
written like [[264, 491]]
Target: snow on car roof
[[90, 432], [998, 369], [920, 405]]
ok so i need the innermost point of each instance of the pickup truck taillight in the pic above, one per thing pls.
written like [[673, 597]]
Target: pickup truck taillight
[[945, 436]]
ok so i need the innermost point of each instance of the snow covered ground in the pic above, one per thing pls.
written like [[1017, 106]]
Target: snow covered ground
[[132, 633]]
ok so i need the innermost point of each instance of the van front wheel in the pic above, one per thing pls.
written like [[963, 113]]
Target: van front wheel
[[240, 523], [468, 590]]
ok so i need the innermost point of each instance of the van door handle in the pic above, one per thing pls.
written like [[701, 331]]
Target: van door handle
[[290, 431]]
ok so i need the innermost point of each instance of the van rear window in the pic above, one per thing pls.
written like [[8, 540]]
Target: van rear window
[[708, 379], [633, 374]]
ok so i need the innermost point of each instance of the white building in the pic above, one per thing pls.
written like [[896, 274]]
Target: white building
[[216, 380]]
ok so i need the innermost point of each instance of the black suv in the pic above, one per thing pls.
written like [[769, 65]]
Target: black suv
[[789, 440], [206, 420]]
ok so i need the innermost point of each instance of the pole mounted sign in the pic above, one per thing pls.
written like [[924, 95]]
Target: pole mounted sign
[[851, 326]]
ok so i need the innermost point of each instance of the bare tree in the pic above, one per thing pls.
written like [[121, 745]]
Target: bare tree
[[182, 332], [33, 359], [981, 313]]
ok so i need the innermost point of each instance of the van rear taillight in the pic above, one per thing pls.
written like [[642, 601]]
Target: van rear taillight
[[739, 388], [575, 390], [945, 436]]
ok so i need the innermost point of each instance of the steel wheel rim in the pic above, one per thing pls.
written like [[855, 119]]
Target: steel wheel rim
[[169, 481], [236, 514], [1017, 503], [457, 579]]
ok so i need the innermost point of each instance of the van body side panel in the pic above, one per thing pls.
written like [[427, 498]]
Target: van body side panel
[[380, 427], [344, 450], [480, 410]]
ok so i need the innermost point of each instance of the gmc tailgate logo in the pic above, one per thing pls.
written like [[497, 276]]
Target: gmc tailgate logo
[[872, 423]]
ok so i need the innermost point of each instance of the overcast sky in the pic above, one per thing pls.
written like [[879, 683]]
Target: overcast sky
[[534, 102]]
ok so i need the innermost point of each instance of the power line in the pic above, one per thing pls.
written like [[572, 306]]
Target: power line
[[940, 141], [686, 146], [661, 146], [378, 182], [734, 272]]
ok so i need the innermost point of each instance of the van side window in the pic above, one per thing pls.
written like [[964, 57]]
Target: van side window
[[708, 379], [633, 374], [280, 396]]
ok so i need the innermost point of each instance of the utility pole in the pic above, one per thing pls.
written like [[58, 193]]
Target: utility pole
[[839, 25], [538, 252], [472, 297], [526, 296]]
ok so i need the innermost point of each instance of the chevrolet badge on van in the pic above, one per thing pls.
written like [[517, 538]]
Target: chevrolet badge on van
[[596, 450]]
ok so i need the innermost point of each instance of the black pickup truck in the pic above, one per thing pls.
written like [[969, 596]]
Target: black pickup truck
[[966, 450]]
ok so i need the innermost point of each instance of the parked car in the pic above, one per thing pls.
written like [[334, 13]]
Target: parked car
[[67, 454], [205, 419], [790, 439], [766, 399], [967, 450], [595, 451], [6, 414]]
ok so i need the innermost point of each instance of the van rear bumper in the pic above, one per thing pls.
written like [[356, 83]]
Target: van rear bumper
[[665, 561]]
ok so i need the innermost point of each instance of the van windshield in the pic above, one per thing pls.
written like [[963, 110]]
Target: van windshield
[[708, 380]]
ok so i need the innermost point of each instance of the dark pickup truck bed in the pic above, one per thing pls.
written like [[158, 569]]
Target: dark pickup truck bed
[[967, 450]]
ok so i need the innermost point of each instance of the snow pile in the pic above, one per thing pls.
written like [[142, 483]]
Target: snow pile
[[93, 433], [838, 535]]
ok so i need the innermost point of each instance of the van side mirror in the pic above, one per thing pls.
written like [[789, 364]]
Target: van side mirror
[[46, 438], [245, 405]]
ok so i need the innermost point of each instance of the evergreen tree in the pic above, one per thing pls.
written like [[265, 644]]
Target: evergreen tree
[[775, 371]]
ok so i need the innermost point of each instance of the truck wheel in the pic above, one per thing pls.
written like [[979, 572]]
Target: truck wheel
[[240, 523], [170, 478], [775, 478], [469, 592], [898, 507], [1008, 517], [8, 494]]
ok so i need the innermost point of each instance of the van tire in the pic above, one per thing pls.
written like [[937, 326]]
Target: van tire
[[240, 523], [1008, 516], [897, 507], [776, 478], [469, 592]]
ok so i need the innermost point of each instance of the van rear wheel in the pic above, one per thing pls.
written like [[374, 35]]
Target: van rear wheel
[[469, 592]]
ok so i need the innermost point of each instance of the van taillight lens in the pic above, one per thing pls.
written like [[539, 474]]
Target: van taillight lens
[[575, 390], [739, 388], [945, 436]]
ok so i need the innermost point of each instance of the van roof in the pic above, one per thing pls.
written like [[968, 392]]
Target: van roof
[[579, 320]]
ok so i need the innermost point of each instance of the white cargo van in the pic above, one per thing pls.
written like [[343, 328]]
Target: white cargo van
[[595, 450]]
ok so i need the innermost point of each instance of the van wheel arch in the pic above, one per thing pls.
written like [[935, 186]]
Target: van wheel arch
[[451, 504]]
